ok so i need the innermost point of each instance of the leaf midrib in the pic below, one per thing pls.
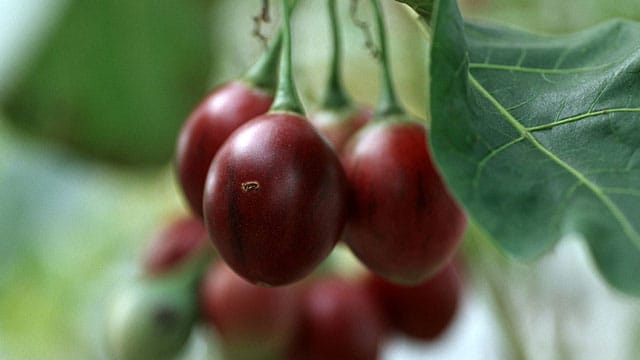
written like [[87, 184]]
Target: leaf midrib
[[581, 117], [629, 231], [564, 71]]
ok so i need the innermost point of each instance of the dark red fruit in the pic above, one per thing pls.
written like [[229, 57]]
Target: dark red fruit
[[275, 199], [423, 311], [339, 320], [404, 225], [250, 320], [178, 242], [206, 129], [339, 125]]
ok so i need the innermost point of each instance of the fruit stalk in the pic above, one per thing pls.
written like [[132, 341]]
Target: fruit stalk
[[335, 97], [286, 98], [388, 103], [263, 74]]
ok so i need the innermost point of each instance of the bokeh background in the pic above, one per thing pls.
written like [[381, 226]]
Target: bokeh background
[[92, 94]]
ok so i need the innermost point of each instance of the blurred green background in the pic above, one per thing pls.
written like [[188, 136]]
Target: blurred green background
[[92, 94]]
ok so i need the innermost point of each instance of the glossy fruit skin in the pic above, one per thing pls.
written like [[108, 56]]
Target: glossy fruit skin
[[339, 125], [422, 311], [339, 320], [275, 199], [249, 319], [206, 129], [403, 223], [179, 241]]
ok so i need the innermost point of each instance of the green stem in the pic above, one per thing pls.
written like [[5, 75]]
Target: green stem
[[335, 97], [264, 73], [388, 103], [286, 98], [490, 266], [507, 320]]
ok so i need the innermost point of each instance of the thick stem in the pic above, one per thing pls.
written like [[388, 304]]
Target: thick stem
[[388, 103], [335, 97], [264, 73], [286, 95]]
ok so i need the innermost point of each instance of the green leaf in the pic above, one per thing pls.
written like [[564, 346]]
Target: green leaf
[[424, 8], [539, 136], [115, 79]]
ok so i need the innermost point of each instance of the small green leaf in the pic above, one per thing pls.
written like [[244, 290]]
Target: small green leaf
[[424, 8], [539, 136], [115, 79]]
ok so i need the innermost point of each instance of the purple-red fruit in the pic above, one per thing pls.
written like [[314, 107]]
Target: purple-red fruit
[[422, 311], [275, 199], [339, 320], [206, 129], [250, 320], [339, 125], [175, 244], [403, 223]]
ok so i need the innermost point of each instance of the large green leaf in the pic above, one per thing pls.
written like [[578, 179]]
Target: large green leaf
[[539, 136], [115, 79]]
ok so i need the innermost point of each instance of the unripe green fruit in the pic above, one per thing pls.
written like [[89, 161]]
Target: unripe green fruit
[[150, 319], [152, 316]]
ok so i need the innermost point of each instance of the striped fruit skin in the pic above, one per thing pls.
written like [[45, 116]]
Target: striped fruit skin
[[275, 199], [207, 128], [403, 223]]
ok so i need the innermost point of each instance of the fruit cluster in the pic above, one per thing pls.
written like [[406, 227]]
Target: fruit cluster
[[275, 191], [326, 316]]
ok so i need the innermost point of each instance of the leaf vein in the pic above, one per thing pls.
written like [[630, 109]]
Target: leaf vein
[[561, 58], [562, 106], [486, 66], [626, 226], [483, 162], [523, 54], [581, 117], [621, 191]]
